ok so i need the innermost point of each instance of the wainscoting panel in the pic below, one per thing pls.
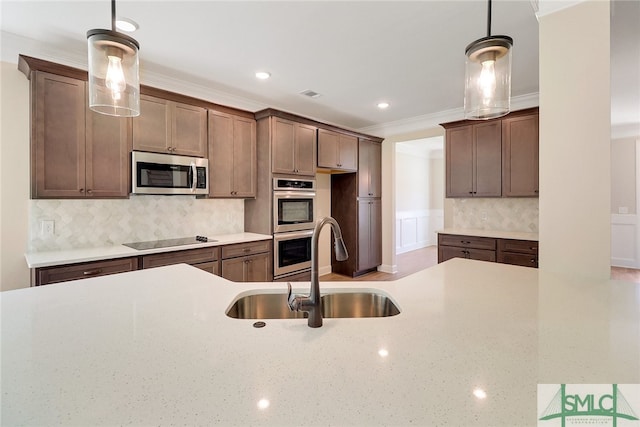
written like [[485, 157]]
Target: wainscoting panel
[[624, 238], [417, 229]]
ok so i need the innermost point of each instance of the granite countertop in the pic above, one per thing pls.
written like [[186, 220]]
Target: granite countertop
[[154, 347], [517, 235], [72, 256]]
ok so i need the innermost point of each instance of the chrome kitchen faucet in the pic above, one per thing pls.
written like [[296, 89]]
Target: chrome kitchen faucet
[[313, 303]]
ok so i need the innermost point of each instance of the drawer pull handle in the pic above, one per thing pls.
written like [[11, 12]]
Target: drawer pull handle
[[92, 272]]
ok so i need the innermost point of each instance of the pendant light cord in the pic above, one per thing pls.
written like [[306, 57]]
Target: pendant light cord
[[488, 19], [113, 14]]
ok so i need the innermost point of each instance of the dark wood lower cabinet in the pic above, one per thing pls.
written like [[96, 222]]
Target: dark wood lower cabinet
[[254, 268], [241, 262], [504, 251], [248, 262], [64, 273]]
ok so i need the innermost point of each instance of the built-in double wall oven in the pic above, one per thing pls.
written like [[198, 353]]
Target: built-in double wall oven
[[293, 222]]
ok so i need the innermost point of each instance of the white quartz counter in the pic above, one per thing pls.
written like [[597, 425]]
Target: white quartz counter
[[72, 256], [154, 347], [517, 235]]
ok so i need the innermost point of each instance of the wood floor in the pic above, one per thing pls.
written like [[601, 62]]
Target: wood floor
[[411, 262]]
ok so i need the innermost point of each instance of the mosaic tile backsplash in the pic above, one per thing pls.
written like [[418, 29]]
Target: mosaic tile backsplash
[[95, 223], [505, 214]]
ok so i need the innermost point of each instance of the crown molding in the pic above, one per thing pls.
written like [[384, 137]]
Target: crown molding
[[428, 121]]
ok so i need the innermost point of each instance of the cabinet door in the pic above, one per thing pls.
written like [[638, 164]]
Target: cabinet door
[[283, 137], [327, 149], [520, 156], [459, 161], [447, 252], [305, 150], [488, 159], [234, 269], [369, 234], [152, 128], [369, 169], [364, 243], [188, 130], [375, 232], [258, 268], [58, 139], [108, 143], [348, 153], [220, 154], [244, 157]]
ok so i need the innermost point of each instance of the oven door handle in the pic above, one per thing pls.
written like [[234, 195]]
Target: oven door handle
[[290, 235]]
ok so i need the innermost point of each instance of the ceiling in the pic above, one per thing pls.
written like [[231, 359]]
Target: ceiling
[[354, 53]]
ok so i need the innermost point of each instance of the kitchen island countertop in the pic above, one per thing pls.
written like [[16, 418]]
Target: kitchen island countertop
[[154, 347], [73, 256]]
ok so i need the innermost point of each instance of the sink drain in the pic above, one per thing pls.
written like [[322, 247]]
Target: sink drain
[[259, 325]]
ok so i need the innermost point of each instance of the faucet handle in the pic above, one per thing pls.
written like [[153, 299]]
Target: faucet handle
[[292, 301]]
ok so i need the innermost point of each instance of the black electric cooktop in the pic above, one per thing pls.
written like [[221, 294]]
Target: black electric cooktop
[[167, 243]]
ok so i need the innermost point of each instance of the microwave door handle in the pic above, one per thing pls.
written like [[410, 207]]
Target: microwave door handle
[[194, 177]]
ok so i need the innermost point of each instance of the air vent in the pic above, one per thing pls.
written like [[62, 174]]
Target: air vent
[[310, 93]]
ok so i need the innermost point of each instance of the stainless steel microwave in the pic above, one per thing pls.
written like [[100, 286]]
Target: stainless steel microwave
[[154, 173]]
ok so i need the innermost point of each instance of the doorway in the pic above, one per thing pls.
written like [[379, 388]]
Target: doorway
[[419, 191]]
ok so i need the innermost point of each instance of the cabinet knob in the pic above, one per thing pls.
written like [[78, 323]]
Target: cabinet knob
[[81, 190], [90, 191]]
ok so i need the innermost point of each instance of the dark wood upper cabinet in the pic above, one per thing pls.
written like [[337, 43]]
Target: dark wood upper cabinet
[[76, 153], [473, 160], [369, 168], [232, 155], [166, 126], [520, 156], [493, 158], [337, 151], [293, 147]]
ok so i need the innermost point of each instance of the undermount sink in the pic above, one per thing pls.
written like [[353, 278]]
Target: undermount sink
[[334, 305]]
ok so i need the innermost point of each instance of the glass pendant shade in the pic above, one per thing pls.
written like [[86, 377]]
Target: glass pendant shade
[[487, 91], [114, 82]]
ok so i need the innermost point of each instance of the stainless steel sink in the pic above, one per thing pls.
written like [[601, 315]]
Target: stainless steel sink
[[334, 305]]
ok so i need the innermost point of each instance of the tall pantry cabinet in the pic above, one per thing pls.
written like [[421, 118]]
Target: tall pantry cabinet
[[356, 205]]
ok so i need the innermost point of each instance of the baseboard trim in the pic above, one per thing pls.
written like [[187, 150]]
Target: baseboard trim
[[386, 268]]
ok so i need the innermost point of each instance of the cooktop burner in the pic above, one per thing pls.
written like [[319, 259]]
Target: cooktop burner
[[154, 244]]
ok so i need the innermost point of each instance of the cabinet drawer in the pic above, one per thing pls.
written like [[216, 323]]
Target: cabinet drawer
[[242, 249], [63, 273], [190, 256], [447, 252], [467, 241], [525, 260], [519, 246]]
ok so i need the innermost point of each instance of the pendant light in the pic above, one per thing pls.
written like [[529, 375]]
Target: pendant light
[[114, 83], [487, 91]]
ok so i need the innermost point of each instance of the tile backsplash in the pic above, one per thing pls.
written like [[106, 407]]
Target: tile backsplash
[[500, 214], [95, 223]]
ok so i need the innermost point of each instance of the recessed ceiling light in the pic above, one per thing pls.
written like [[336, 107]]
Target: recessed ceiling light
[[263, 75], [126, 24], [383, 105]]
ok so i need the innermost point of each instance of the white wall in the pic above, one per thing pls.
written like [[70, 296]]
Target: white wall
[[14, 176], [575, 129], [419, 186]]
